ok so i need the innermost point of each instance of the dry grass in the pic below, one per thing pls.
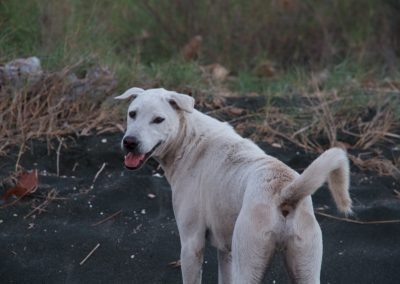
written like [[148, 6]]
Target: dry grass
[[326, 119], [57, 105]]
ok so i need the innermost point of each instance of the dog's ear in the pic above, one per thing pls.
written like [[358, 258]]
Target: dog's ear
[[132, 92], [181, 102]]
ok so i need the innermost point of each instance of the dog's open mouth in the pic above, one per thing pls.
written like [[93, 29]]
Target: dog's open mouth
[[134, 161]]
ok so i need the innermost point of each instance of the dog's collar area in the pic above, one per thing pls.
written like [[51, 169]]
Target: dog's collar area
[[143, 160]]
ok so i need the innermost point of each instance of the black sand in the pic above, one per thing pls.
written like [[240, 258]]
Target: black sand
[[139, 242]]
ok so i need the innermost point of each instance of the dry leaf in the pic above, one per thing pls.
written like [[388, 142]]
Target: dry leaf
[[192, 49], [27, 184], [265, 69], [236, 111], [218, 102]]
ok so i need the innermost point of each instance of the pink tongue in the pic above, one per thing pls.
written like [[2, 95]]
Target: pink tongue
[[132, 160]]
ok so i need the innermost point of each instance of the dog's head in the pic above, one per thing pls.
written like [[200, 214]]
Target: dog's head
[[153, 120]]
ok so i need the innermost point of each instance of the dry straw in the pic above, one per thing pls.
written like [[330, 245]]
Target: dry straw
[[57, 105]]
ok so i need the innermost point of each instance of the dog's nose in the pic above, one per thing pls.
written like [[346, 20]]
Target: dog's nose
[[130, 143]]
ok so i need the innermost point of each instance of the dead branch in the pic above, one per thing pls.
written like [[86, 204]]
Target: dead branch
[[357, 221], [90, 253], [108, 218]]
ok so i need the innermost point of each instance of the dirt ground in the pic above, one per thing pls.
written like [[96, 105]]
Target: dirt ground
[[138, 243]]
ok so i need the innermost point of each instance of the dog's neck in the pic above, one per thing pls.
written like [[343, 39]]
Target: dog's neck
[[175, 154]]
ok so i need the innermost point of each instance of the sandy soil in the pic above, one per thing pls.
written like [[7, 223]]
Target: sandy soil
[[136, 245]]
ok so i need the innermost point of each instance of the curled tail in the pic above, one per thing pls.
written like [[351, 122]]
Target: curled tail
[[331, 166]]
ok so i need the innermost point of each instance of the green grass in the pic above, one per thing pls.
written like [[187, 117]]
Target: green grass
[[237, 34], [140, 41]]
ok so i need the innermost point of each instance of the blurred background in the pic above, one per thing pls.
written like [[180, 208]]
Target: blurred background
[[324, 72], [237, 34]]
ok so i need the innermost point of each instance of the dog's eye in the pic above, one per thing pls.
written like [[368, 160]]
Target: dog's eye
[[158, 120], [132, 114]]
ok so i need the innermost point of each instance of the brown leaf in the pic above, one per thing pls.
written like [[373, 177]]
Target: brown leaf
[[265, 69], [218, 102], [192, 49], [27, 184], [236, 111]]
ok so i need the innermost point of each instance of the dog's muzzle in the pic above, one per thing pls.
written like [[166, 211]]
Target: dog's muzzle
[[133, 158]]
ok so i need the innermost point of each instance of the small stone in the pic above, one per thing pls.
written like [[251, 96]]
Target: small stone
[[151, 195], [143, 211], [104, 140], [276, 145]]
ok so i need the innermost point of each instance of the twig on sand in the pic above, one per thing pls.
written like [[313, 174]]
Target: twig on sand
[[74, 167], [52, 195], [107, 219], [218, 110], [90, 253], [356, 221], [60, 140], [20, 152], [99, 172], [175, 264], [243, 117]]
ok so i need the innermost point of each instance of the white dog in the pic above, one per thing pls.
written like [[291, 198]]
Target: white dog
[[227, 190]]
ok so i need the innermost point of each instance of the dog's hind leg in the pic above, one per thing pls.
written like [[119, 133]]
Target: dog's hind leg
[[224, 267], [303, 255], [253, 244]]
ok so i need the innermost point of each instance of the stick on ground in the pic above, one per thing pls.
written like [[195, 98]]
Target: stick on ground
[[58, 155], [107, 219], [356, 221], [90, 253], [98, 173]]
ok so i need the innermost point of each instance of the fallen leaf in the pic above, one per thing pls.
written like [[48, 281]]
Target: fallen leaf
[[218, 102], [265, 69], [27, 184], [192, 49], [236, 111]]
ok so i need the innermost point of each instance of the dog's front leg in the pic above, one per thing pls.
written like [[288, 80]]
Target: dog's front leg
[[224, 267], [192, 255]]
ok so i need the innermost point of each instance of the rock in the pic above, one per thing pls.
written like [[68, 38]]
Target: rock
[[218, 72], [97, 83], [20, 72]]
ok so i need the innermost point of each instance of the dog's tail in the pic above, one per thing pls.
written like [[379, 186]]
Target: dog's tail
[[331, 166]]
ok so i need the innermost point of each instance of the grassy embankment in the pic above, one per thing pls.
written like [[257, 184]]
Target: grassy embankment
[[331, 64]]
